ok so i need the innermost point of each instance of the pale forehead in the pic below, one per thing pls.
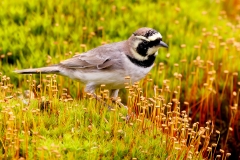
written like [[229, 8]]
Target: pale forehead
[[155, 36], [148, 34], [151, 38]]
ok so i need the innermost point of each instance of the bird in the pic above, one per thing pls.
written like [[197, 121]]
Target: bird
[[109, 64]]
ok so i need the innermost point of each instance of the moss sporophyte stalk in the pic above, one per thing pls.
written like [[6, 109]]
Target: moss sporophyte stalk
[[186, 108]]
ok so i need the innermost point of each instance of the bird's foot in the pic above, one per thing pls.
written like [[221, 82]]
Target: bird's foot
[[118, 102]]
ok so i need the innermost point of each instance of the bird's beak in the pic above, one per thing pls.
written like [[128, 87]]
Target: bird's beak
[[163, 44]]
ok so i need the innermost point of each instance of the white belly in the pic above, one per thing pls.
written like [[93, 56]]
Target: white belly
[[113, 79]]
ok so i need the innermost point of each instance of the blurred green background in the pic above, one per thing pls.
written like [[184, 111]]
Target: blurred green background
[[203, 38], [31, 31]]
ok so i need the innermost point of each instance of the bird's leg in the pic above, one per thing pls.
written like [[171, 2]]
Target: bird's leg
[[90, 88], [96, 97], [100, 100], [113, 95]]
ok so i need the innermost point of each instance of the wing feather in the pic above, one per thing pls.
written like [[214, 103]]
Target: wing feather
[[106, 64], [100, 58]]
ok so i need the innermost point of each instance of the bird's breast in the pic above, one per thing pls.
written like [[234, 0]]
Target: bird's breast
[[136, 72]]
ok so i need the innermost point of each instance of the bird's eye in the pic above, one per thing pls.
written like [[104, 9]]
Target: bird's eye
[[145, 42], [157, 41]]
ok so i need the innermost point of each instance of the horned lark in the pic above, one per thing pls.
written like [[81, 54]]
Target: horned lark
[[109, 64]]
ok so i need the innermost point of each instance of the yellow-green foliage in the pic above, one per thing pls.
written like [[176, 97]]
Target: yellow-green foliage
[[49, 127], [199, 73]]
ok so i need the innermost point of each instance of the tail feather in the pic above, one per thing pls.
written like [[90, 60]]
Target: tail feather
[[44, 70]]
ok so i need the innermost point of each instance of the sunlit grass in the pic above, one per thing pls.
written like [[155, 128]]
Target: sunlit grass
[[196, 79], [43, 124]]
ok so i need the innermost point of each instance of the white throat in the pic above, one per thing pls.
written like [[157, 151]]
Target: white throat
[[152, 50]]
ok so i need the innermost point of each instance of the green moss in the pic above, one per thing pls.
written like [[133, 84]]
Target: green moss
[[201, 73]]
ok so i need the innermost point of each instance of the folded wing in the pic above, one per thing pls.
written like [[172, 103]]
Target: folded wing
[[100, 58]]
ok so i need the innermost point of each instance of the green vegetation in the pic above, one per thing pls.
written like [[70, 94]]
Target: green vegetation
[[87, 129], [178, 111]]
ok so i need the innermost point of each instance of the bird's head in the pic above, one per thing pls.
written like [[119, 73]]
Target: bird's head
[[145, 42]]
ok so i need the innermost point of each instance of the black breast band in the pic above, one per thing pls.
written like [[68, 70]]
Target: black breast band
[[144, 63]]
